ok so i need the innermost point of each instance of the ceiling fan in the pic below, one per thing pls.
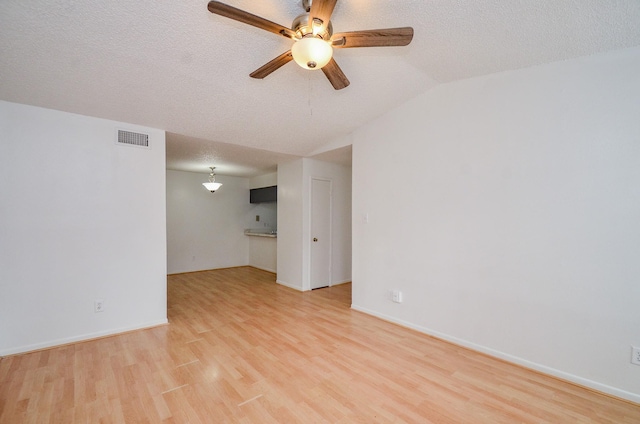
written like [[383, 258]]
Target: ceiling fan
[[314, 38]]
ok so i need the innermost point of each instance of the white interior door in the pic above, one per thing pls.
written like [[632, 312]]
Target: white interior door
[[320, 233]]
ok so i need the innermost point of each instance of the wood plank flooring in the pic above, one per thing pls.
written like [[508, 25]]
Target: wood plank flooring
[[241, 349]]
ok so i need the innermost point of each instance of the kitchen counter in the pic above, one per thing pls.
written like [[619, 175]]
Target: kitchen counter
[[260, 233]]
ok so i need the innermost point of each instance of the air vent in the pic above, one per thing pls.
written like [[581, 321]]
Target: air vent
[[133, 138]]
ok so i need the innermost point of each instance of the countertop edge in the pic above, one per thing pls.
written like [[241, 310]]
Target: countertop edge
[[261, 235]]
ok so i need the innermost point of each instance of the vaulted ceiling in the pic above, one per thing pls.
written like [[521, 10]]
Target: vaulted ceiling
[[175, 66]]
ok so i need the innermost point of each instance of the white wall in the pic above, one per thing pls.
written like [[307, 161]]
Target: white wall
[[265, 180], [507, 211], [206, 230], [263, 253], [268, 215], [294, 181], [289, 249], [82, 218]]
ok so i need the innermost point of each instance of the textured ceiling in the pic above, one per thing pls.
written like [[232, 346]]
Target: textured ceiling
[[173, 65], [186, 153]]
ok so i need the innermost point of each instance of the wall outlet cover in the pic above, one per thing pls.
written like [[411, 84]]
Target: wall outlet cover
[[98, 305], [635, 355], [397, 296]]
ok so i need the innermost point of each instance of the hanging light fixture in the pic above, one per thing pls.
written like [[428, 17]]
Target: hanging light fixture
[[312, 49], [311, 52], [212, 185]]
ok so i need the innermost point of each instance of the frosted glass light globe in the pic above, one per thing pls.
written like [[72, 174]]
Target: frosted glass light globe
[[212, 186], [311, 53]]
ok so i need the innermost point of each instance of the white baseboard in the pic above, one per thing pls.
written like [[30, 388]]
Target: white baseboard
[[590, 384], [80, 338], [273, 271], [291, 286], [284, 283]]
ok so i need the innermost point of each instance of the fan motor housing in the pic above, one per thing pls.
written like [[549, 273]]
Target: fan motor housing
[[301, 27]]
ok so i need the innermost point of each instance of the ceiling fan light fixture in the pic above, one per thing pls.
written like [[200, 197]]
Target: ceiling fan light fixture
[[311, 52], [312, 32]]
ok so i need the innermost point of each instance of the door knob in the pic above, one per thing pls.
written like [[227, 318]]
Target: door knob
[[315, 239]]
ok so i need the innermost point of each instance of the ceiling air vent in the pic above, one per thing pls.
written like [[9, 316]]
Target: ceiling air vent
[[133, 138]]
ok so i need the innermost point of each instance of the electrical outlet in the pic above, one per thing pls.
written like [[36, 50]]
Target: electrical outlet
[[635, 355], [397, 296], [98, 305]]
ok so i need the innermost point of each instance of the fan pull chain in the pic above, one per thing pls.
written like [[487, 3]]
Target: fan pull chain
[[310, 89]]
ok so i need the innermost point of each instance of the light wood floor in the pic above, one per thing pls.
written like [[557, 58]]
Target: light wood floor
[[240, 348]]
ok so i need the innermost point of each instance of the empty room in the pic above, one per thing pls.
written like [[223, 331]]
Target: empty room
[[320, 211]]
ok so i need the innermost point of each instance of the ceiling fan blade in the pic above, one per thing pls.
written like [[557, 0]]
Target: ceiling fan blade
[[245, 17], [322, 10], [373, 38], [274, 65], [336, 77]]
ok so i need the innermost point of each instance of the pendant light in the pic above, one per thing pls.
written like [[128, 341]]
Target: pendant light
[[212, 185]]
